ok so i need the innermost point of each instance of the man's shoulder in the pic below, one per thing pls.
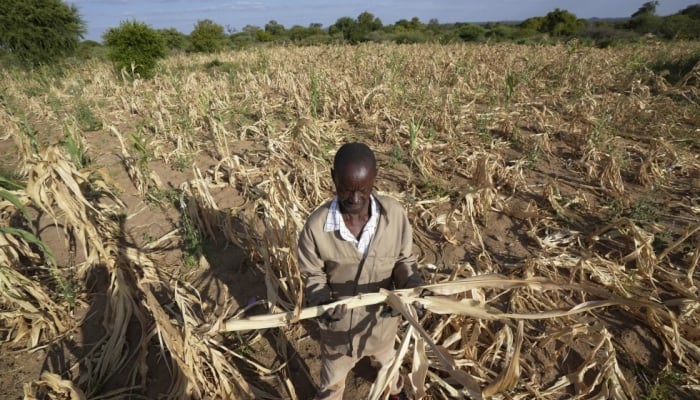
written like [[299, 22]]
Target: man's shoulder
[[319, 215], [389, 204]]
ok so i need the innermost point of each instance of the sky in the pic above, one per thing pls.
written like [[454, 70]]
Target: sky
[[101, 15]]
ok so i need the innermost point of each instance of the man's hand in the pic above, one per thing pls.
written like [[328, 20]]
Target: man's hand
[[388, 311], [420, 309], [334, 314]]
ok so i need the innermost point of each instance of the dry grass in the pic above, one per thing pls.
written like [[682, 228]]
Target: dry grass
[[589, 156]]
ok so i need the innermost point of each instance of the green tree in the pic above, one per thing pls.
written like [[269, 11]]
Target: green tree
[[303, 35], [37, 32], [347, 28], [275, 29], [693, 11], [471, 32], [534, 23], [645, 20], [208, 37], [367, 22], [679, 26], [561, 23], [412, 25], [174, 39], [648, 8], [136, 47], [434, 26], [89, 49]]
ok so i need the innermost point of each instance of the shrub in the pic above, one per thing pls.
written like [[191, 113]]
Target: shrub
[[409, 37], [136, 47], [472, 32], [88, 49], [208, 37], [680, 26], [174, 39], [605, 36], [674, 69], [39, 32]]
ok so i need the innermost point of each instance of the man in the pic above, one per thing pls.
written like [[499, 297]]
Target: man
[[356, 243]]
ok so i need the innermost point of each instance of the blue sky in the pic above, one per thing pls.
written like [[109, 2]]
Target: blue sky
[[101, 15]]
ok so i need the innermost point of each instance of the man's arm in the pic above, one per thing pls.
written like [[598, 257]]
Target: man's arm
[[316, 287], [405, 272]]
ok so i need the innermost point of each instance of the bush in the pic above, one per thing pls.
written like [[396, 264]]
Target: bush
[[604, 36], [208, 37], [135, 44], [410, 37], [472, 32], [88, 49], [680, 26], [502, 32], [39, 32], [675, 69], [174, 39]]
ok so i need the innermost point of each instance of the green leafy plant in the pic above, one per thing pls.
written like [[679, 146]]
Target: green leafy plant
[[192, 242], [75, 148], [87, 121], [65, 287], [663, 389], [135, 47], [396, 155], [9, 179], [512, 80], [30, 133], [39, 32], [415, 125], [208, 37]]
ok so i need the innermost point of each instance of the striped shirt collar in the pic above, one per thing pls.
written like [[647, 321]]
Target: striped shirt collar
[[334, 222]]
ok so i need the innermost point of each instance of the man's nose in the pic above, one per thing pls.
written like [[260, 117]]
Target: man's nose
[[356, 197]]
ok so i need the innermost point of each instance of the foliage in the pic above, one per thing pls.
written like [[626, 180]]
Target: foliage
[[502, 32], [135, 47], [534, 23], [174, 39], [409, 37], [648, 8], [39, 32], [605, 36], [646, 23], [86, 119], [680, 26], [692, 11], [304, 35], [561, 23], [347, 27], [88, 49], [356, 30], [674, 69], [472, 32], [208, 37], [275, 29]]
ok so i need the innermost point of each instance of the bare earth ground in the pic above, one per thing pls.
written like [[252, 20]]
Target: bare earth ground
[[226, 271]]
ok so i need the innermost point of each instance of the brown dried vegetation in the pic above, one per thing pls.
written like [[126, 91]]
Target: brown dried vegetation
[[554, 192]]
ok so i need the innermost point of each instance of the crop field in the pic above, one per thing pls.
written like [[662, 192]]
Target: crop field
[[554, 193]]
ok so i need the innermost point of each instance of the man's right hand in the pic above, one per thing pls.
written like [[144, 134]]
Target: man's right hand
[[334, 314]]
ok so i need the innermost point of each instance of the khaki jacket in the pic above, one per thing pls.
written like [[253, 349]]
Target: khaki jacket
[[333, 269]]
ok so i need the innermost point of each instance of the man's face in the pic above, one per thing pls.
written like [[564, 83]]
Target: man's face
[[353, 185]]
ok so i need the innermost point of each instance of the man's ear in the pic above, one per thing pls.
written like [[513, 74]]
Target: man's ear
[[333, 175]]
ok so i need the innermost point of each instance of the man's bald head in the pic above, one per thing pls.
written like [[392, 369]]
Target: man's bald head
[[354, 153], [353, 172]]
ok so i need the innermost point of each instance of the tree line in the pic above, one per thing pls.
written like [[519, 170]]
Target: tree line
[[36, 32]]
